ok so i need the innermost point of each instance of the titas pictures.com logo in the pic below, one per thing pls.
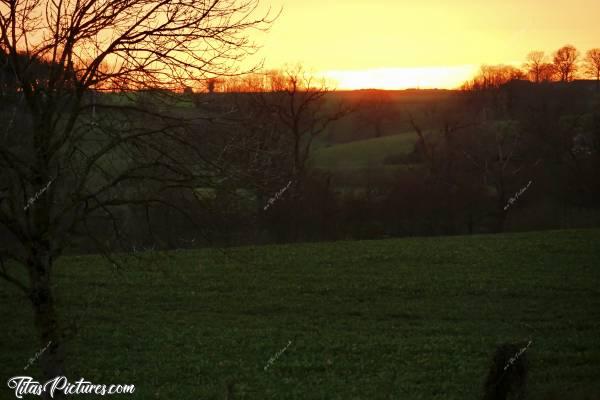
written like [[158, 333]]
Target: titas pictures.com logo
[[26, 385]]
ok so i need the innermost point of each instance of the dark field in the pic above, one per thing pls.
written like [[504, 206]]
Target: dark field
[[392, 319]]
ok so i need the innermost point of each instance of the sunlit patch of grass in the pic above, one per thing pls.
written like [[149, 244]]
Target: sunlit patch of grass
[[364, 153]]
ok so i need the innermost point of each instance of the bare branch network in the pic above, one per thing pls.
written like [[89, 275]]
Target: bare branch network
[[102, 152], [129, 43]]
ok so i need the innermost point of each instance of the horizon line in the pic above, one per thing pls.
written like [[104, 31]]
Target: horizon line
[[400, 78]]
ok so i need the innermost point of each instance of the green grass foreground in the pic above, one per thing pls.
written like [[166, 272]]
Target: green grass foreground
[[407, 319]]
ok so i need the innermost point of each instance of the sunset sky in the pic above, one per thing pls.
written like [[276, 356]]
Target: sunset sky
[[427, 43]]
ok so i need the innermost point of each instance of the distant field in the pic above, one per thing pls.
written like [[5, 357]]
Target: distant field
[[364, 153], [392, 319]]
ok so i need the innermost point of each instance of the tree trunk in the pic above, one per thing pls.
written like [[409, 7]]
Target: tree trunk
[[501, 203], [500, 221], [51, 360], [378, 129], [500, 216], [470, 220], [294, 215], [261, 221]]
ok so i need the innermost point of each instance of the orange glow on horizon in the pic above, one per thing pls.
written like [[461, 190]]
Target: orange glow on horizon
[[392, 44], [401, 78]]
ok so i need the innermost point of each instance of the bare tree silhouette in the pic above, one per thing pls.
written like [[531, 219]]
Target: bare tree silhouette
[[493, 76], [535, 65], [565, 61], [294, 108], [548, 72], [62, 54], [592, 65], [299, 103]]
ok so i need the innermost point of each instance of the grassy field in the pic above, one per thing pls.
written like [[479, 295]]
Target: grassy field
[[364, 153], [392, 319]]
